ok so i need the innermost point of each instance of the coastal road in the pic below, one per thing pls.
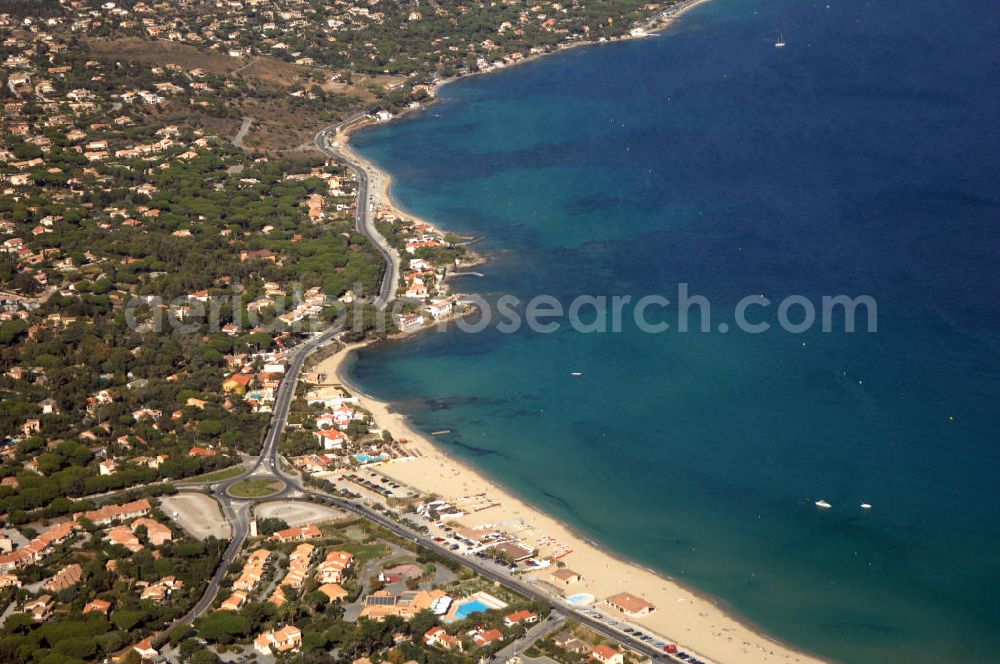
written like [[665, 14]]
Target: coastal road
[[555, 622], [482, 568], [365, 214], [239, 511]]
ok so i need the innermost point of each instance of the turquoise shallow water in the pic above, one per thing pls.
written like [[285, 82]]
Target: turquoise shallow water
[[860, 159]]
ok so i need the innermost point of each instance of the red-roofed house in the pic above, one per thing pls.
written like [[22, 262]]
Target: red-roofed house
[[146, 650], [437, 636], [331, 439], [487, 637], [98, 605], [608, 655], [286, 639], [111, 513], [630, 605], [299, 533], [332, 569], [520, 617]]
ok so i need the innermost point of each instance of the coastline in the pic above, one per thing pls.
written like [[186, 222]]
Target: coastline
[[382, 180], [695, 622]]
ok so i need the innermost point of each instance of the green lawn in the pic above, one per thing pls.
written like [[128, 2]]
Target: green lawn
[[365, 552], [255, 488], [215, 475]]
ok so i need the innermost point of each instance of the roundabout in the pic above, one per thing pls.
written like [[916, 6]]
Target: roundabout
[[256, 487]]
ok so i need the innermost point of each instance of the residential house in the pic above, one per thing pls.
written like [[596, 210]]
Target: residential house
[[162, 589], [437, 636], [37, 548], [331, 439], [332, 569], [297, 533], [145, 650], [111, 513], [519, 617], [334, 591], [235, 601], [440, 309], [382, 604], [286, 639], [65, 578], [123, 536], [607, 655], [253, 571], [564, 577], [570, 643], [156, 532], [408, 322], [630, 605], [485, 637], [98, 605], [39, 609]]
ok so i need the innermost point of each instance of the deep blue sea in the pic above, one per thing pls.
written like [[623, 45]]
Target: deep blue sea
[[862, 158]]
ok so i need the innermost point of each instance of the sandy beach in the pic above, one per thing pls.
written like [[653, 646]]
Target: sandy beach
[[379, 181], [694, 622]]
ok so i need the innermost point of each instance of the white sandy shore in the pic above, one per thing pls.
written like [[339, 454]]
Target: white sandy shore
[[693, 621], [696, 623]]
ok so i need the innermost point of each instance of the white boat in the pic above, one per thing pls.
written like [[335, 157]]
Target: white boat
[[822, 503], [576, 373], [866, 506], [781, 42]]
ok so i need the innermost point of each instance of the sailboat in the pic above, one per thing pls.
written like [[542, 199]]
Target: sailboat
[[781, 42]]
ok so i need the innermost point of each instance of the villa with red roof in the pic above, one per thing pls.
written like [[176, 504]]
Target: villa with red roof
[[98, 605], [607, 655], [437, 636], [298, 533], [630, 605], [286, 639], [487, 637], [519, 617], [111, 513]]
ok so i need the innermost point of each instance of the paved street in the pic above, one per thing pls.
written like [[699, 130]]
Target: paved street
[[238, 511]]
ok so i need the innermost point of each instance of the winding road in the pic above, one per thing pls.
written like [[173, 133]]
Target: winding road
[[238, 511], [365, 213]]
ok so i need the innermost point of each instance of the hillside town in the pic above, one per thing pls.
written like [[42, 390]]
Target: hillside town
[[169, 237]]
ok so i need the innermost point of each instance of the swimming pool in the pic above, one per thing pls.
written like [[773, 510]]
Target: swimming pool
[[467, 609], [367, 458], [580, 599]]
